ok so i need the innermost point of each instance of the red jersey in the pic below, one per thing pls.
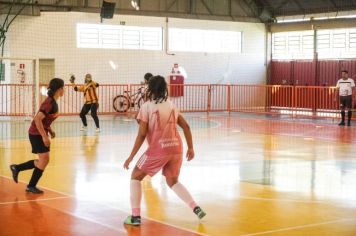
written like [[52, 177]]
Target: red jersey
[[50, 109]]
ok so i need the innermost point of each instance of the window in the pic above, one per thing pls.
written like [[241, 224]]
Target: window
[[194, 40], [111, 37], [338, 43], [2, 71], [131, 39], [293, 45], [88, 36], [352, 40], [119, 37]]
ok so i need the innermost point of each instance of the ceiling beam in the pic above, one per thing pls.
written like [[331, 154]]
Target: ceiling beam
[[263, 6], [230, 7], [185, 15], [207, 7], [254, 10], [307, 25], [328, 2], [172, 4], [314, 11], [191, 4], [333, 3], [282, 4], [299, 5], [242, 7]]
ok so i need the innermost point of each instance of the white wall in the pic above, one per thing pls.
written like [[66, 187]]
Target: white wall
[[53, 35]]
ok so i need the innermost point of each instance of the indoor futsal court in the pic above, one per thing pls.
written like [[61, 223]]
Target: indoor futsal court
[[261, 93]]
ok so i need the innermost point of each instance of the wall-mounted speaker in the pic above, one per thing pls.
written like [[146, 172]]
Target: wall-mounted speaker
[[107, 9]]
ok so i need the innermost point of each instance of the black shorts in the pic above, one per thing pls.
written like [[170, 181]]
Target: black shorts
[[37, 144], [346, 101]]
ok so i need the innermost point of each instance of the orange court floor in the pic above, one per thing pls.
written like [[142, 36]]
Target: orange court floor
[[252, 174]]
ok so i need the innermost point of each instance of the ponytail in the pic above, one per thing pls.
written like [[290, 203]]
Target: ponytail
[[54, 85], [50, 93]]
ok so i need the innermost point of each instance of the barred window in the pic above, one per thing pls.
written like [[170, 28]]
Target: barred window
[[293, 45], [119, 37], [196, 40]]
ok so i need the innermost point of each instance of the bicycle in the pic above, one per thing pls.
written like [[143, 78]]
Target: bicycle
[[122, 103]]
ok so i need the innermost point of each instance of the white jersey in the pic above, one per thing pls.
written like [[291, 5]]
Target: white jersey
[[345, 86]]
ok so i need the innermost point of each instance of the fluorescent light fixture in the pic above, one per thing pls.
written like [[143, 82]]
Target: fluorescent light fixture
[[335, 17], [316, 18], [135, 5], [349, 16], [323, 18], [112, 64], [293, 20]]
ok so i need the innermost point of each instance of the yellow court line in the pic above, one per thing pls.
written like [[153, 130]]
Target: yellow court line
[[300, 227]]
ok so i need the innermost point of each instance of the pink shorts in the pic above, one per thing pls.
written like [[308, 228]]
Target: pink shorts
[[169, 164]]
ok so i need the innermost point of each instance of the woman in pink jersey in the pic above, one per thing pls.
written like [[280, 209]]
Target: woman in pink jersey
[[158, 119], [38, 135]]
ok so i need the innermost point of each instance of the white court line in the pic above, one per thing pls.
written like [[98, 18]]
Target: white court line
[[66, 165], [272, 199], [157, 221], [88, 219], [300, 227], [34, 200], [70, 213], [94, 221], [66, 194], [332, 201]]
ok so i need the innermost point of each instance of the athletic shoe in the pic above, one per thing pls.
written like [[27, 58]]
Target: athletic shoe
[[97, 130], [349, 123], [84, 128], [133, 220], [15, 173], [342, 123], [34, 190], [199, 212]]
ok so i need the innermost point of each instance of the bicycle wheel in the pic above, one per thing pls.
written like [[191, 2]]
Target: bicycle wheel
[[121, 103]]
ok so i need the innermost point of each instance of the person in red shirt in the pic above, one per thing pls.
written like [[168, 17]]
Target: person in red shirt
[[38, 134]]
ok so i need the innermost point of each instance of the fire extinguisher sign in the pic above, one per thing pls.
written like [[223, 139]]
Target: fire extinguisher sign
[[22, 66]]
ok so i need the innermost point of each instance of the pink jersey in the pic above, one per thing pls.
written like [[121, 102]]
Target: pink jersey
[[162, 123], [164, 142]]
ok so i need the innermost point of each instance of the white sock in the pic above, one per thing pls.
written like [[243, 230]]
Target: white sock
[[183, 194], [135, 196]]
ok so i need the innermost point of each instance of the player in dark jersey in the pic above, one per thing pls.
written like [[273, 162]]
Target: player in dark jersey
[[38, 134]]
